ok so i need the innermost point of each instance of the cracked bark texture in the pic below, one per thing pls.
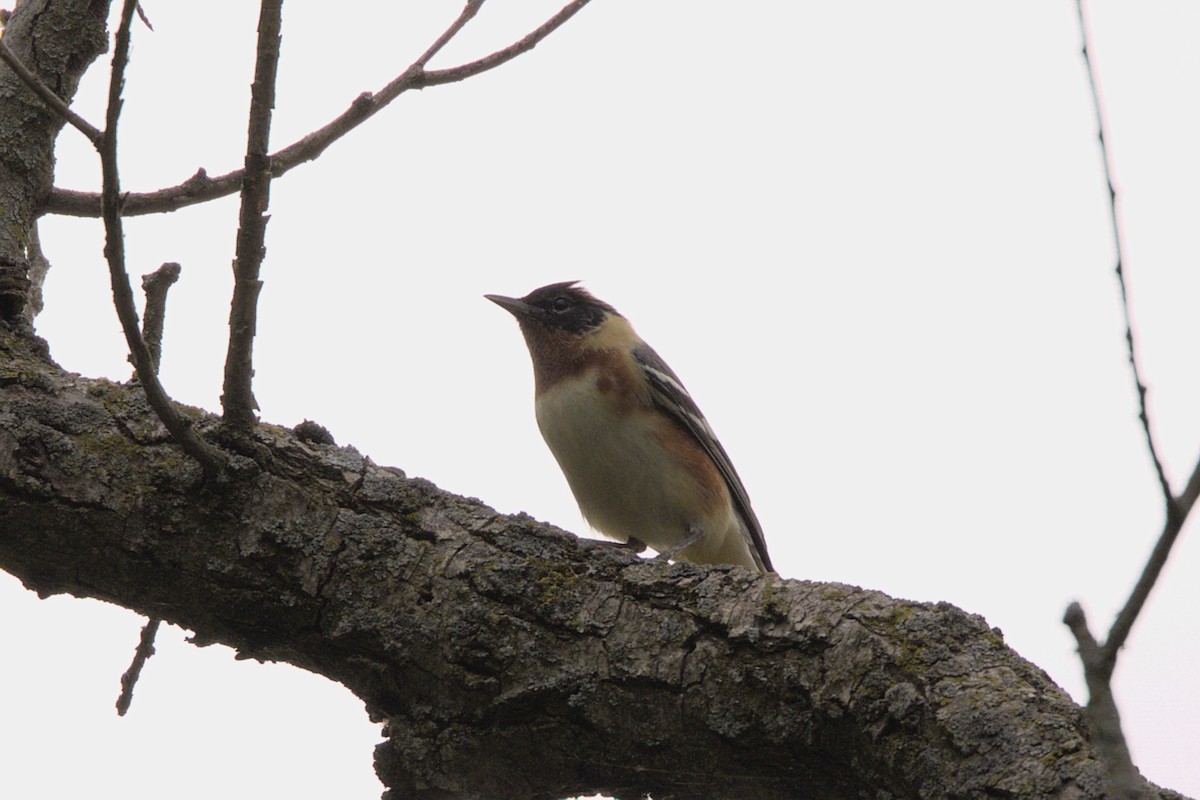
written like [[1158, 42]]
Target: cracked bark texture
[[57, 40], [511, 659]]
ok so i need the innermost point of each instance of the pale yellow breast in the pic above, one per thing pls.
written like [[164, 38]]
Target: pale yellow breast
[[624, 480]]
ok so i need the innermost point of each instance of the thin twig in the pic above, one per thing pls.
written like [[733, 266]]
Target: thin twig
[[211, 460], [1177, 509], [1121, 776], [201, 188], [438, 77], [141, 12], [1123, 624], [155, 286], [237, 398], [1191, 493], [145, 649], [1118, 242], [47, 95], [466, 15]]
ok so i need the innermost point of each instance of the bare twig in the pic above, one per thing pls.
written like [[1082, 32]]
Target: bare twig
[[145, 649], [156, 285], [211, 460], [1118, 243], [1099, 661], [1177, 509], [47, 95], [1154, 565], [201, 188], [237, 397], [1122, 779], [1187, 500], [438, 77], [466, 15], [141, 12]]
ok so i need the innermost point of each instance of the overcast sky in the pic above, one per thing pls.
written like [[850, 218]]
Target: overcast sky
[[871, 237]]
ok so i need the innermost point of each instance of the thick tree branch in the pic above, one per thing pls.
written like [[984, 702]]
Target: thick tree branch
[[237, 397], [511, 660], [211, 459], [201, 188]]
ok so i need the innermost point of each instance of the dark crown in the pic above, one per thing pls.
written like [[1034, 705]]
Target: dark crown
[[569, 307]]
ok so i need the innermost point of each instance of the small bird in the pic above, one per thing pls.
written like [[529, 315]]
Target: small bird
[[643, 463]]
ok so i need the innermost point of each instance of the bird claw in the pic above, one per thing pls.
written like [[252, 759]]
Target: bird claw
[[635, 545], [694, 535]]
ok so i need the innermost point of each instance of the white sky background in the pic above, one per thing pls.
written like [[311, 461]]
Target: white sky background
[[871, 237]]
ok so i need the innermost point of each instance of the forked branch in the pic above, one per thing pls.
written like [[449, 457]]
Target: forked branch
[[201, 188], [47, 95], [211, 460], [1099, 660]]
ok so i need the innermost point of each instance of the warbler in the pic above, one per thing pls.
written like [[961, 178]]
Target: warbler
[[640, 458]]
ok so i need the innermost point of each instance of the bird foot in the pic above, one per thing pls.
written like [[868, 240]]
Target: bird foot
[[694, 535], [636, 545]]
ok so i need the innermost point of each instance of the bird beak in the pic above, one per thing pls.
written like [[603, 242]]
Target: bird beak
[[518, 308]]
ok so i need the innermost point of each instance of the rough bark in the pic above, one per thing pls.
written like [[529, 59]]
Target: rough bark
[[57, 40], [511, 659]]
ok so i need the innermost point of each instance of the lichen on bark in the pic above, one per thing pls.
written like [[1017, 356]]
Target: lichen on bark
[[508, 658], [57, 40]]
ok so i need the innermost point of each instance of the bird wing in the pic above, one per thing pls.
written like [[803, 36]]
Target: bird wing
[[669, 394]]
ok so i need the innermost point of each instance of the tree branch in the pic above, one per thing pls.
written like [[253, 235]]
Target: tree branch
[[211, 460], [1118, 244], [155, 286], [145, 649], [1122, 780], [55, 40], [47, 95], [1099, 661], [201, 188], [1154, 566], [510, 659], [470, 9], [439, 77], [237, 397]]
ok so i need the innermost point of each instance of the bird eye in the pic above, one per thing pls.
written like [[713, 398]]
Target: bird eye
[[560, 305]]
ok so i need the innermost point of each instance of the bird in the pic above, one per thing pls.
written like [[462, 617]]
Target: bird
[[642, 461]]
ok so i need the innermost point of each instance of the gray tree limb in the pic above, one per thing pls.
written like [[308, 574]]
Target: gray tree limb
[[55, 40], [511, 659]]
